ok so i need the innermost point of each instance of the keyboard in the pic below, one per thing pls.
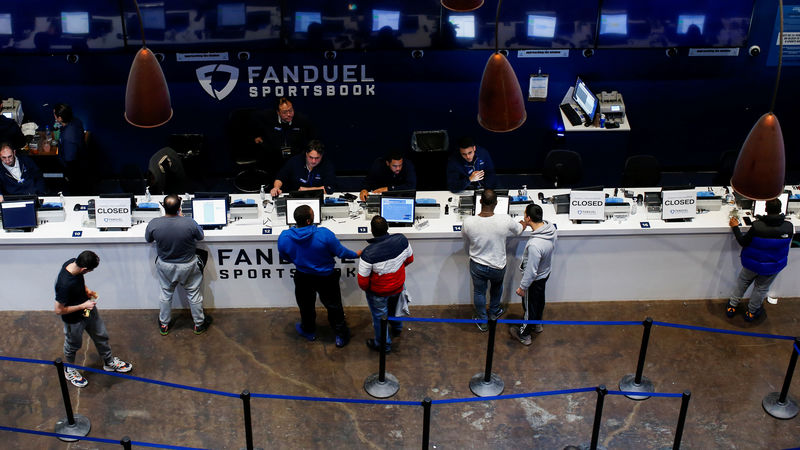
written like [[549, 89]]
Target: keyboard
[[572, 115]]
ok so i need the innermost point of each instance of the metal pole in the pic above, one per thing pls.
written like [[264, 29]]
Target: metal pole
[[598, 414], [126, 442], [248, 427], [382, 343], [648, 323], [62, 379], [687, 395], [487, 374], [426, 422], [788, 379]]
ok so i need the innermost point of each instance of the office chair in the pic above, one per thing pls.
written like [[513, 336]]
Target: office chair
[[165, 173], [244, 152], [641, 171], [563, 168], [429, 152]]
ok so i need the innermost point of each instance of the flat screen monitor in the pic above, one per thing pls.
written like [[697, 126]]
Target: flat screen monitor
[[398, 211], [760, 206], [153, 17], [687, 20], [8, 115], [401, 193], [614, 24], [310, 193], [19, 213], [121, 195], [464, 25], [5, 25], [541, 26], [231, 15], [210, 212], [501, 207], [584, 98], [302, 20], [75, 22], [384, 18], [293, 203]]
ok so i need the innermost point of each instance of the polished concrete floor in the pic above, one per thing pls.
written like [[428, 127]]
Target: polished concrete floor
[[258, 350]]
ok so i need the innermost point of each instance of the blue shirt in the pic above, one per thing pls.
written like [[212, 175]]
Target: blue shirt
[[380, 175], [312, 249], [295, 175], [459, 170]]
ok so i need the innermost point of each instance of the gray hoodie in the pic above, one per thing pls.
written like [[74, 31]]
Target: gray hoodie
[[538, 255]]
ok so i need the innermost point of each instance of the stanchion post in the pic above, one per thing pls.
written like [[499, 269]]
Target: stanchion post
[[382, 343], [382, 384], [488, 384], [73, 424], [248, 425], [426, 422], [687, 395], [126, 442], [598, 415], [638, 382], [779, 404]]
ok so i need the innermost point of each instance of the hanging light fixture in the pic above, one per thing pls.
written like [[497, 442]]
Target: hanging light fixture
[[500, 104], [760, 170], [147, 102], [462, 5]]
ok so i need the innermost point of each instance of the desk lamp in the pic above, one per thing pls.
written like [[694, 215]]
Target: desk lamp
[[500, 104], [147, 102], [462, 5], [760, 170]]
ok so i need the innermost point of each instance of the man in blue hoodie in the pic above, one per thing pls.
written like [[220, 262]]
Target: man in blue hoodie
[[312, 250], [470, 168]]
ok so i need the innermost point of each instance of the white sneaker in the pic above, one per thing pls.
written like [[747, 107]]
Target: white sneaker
[[117, 365], [75, 377]]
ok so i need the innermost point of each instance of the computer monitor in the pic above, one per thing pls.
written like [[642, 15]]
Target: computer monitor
[[231, 15], [153, 17], [584, 98], [541, 26], [408, 193], [8, 115], [502, 204], [687, 20], [303, 19], [19, 212], [5, 25], [760, 206], [122, 195], [384, 18], [614, 24], [398, 211], [293, 203], [210, 212], [310, 193], [75, 22], [464, 24]]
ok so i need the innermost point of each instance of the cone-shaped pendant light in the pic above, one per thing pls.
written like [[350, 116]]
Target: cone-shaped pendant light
[[500, 104], [761, 167], [147, 102], [462, 5]]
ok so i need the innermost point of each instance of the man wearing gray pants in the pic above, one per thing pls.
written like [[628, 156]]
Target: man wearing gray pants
[[176, 239]]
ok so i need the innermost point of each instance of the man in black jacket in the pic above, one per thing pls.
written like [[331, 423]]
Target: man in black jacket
[[389, 173], [20, 175], [281, 134], [765, 252]]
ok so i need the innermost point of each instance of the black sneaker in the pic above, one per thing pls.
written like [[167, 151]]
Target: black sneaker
[[730, 310], [750, 317], [164, 329], [342, 340], [200, 329], [500, 312], [375, 346], [481, 325]]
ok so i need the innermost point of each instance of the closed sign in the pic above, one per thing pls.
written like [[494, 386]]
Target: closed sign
[[113, 212], [678, 204], [587, 205]]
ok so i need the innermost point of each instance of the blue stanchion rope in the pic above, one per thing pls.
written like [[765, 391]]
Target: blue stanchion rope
[[26, 360], [94, 439], [552, 322], [720, 330], [648, 394], [509, 396]]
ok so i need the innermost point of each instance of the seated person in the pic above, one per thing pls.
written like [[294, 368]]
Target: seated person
[[306, 172], [470, 168], [281, 133], [391, 172], [72, 151], [20, 174]]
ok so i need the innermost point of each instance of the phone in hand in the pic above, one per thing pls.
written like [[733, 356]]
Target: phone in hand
[[748, 221]]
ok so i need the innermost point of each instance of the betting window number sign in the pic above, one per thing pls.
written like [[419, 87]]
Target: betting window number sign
[[266, 231], [456, 227], [362, 229], [77, 233]]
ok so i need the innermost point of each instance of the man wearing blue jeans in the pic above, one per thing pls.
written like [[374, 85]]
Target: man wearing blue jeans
[[487, 233], [382, 274]]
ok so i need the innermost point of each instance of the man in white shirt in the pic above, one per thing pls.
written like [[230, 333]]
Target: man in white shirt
[[487, 234]]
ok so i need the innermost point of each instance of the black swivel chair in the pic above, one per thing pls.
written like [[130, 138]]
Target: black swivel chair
[[244, 151], [563, 168], [165, 173], [641, 171]]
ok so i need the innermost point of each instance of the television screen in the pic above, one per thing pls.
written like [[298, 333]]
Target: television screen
[[760, 206], [230, 15], [614, 24], [5, 24], [212, 212], [501, 207], [397, 210], [293, 203], [75, 22], [383, 18], [303, 19], [153, 17], [464, 25], [585, 99], [687, 20], [541, 26], [19, 214]]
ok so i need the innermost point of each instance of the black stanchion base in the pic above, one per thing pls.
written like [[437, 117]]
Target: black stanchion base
[[628, 384], [481, 388], [777, 409], [378, 389], [81, 427]]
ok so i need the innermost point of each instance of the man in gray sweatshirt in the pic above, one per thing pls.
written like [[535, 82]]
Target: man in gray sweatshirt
[[536, 261]]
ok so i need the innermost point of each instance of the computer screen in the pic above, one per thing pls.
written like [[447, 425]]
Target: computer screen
[[383, 18], [309, 193], [397, 210], [231, 15], [9, 115], [501, 207], [75, 22], [210, 211], [19, 214], [687, 20], [5, 24], [302, 20], [760, 206], [153, 17], [541, 26], [614, 24], [464, 24], [585, 99], [293, 203]]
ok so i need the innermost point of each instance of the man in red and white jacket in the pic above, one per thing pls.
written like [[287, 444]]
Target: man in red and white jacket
[[382, 274]]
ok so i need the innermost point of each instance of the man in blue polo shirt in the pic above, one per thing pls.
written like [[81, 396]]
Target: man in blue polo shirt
[[19, 175], [389, 173], [470, 168], [306, 172]]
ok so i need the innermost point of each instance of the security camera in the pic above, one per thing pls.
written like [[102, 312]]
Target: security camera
[[588, 53], [754, 50], [504, 52], [672, 52], [160, 57], [72, 58], [417, 54], [330, 55], [243, 56]]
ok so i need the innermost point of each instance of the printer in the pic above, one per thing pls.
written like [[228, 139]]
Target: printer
[[612, 106], [427, 208], [617, 207], [244, 209], [144, 212], [706, 200], [335, 208]]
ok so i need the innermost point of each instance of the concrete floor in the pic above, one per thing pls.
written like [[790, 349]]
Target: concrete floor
[[258, 350]]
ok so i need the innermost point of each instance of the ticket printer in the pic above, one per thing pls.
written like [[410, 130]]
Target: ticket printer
[[612, 106]]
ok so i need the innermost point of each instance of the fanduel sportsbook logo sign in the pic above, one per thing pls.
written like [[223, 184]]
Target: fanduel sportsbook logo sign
[[205, 74]]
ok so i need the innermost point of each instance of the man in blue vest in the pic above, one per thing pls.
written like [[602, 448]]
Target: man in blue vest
[[765, 250]]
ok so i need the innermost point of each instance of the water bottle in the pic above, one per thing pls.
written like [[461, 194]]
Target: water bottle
[[633, 208], [61, 199], [262, 193], [56, 131], [147, 194]]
